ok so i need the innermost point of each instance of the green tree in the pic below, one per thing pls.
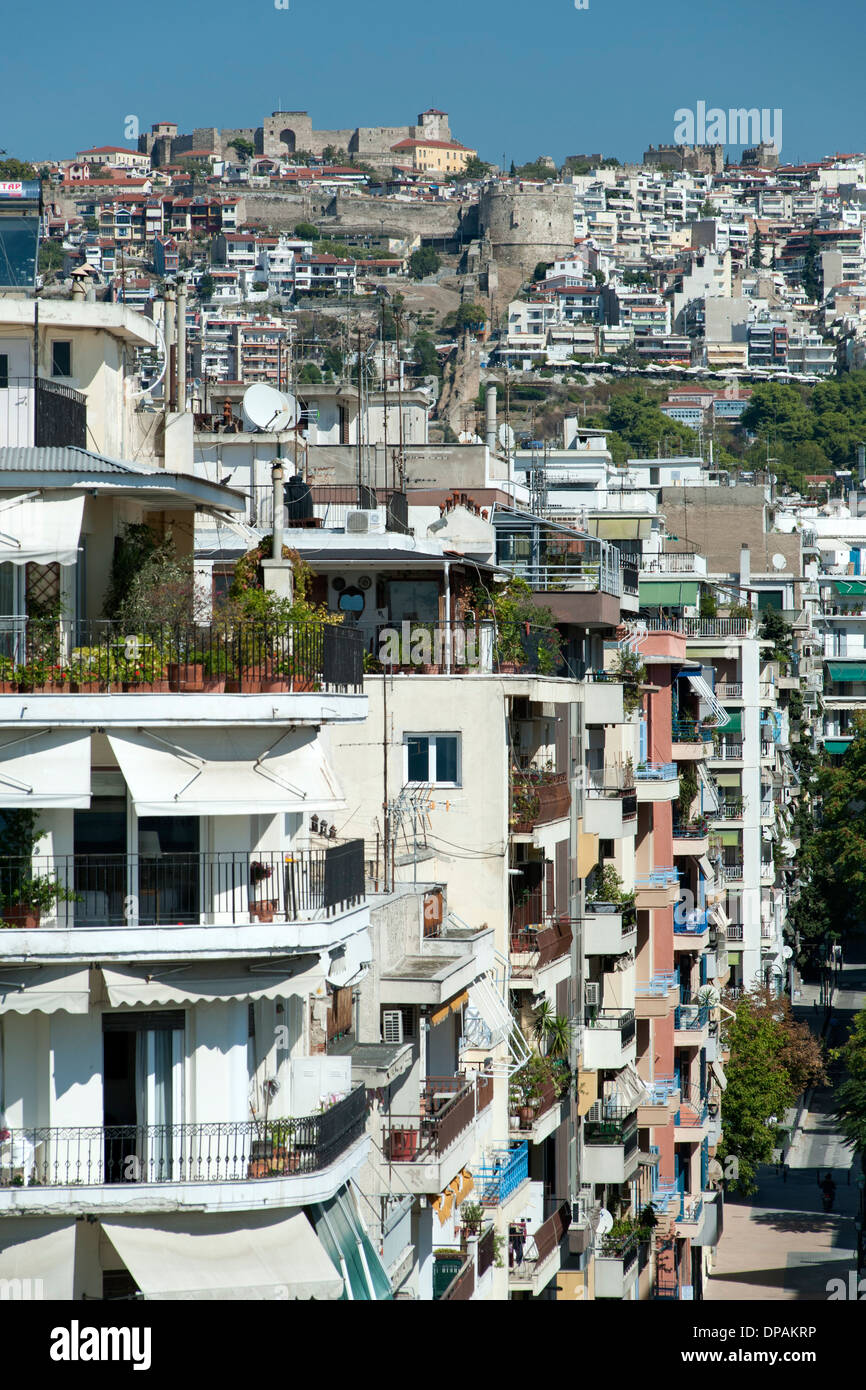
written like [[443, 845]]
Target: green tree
[[51, 256], [851, 1094], [13, 170], [775, 629], [835, 860], [243, 147], [205, 286], [757, 249], [424, 261], [426, 355], [305, 231], [470, 316], [310, 372], [812, 277], [541, 270], [333, 359], [474, 168], [773, 1058]]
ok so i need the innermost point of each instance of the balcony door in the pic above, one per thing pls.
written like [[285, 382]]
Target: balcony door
[[100, 859], [143, 1096], [169, 870]]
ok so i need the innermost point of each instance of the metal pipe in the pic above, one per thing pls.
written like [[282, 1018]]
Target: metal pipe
[[181, 344], [490, 416], [169, 392]]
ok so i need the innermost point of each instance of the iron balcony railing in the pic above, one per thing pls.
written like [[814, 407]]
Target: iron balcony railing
[[93, 1156], [538, 798], [448, 1107], [690, 1018], [224, 887], [660, 984], [731, 872], [66, 656], [728, 810], [660, 1089], [612, 1020], [404, 647], [533, 948], [663, 877], [462, 1286], [543, 1243], [503, 1170], [730, 690], [671, 563], [694, 922], [44, 413], [734, 931], [690, 731], [728, 752], [703, 627]]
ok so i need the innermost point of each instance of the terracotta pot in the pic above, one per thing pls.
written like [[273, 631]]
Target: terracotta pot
[[8, 687], [264, 910], [403, 1146], [145, 687], [214, 684], [272, 684], [526, 1114], [303, 682], [233, 685], [185, 675], [23, 915], [85, 687]]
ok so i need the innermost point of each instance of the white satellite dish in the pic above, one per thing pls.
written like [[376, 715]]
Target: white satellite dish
[[604, 1224], [265, 408], [506, 436], [787, 952], [779, 561]]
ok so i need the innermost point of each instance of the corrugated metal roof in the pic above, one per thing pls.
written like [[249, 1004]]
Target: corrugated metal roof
[[67, 460]]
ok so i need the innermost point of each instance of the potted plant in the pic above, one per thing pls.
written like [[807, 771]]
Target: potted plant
[[26, 893], [403, 1144], [262, 909], [8, 683]]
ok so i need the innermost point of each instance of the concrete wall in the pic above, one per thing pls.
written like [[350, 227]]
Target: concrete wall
[[526, 226], [718, 521]]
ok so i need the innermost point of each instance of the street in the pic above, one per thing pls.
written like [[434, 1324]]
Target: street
[[779, 1244]]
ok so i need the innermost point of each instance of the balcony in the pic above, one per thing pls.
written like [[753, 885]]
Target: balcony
[[657, 889], [504, 1171], [437, 1142], [657, 782], [602, 698], [690, 740], [616, 1267], [136, 906], [691, 1025], [656, 997], [692, 933], [672, 563], [609, 1039], [540, 956], [610, 1153], [538, 798], [692, 1118], [541, 1254], [734, 931], [609, 929], [724, 752], [69, 657], [45, 414], [662, 1093], [731, 873], [610, 803], [729, 690], [692, 839], [105, 1168]]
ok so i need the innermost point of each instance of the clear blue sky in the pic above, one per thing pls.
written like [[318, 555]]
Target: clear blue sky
[[517, 79]]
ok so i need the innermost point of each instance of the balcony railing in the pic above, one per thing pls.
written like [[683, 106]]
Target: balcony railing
[[611, 1125], [690, 731], [47, 414], [462, 1286], [542, 946], [501, 1173], [612, 1020], [694, 923], [91, 1156], [731, 872], [655, 772], [690, 1018], [62, 656], [449, 1106], [542, 1244], [660, 1089], [222, 887], [660, 984], [728, 752], [729, 810], [730, 690], [538, 798], [671, 563], [663, 877]]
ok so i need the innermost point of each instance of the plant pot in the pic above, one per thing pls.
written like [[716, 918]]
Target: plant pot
[[185, 675], [403, 1145], [526, 1115], [264, 911], [144, 687], [23, 915], [233, 685], [309, 683], [214, 685], [509, 668], [84, 687], [8, 687], [273, 684]]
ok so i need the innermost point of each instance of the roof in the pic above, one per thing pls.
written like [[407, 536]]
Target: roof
[[430, 144], [112, 149], [70, 467]]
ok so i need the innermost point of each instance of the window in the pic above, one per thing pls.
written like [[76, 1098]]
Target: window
[[432, 758], [61, 359], [4, 370]]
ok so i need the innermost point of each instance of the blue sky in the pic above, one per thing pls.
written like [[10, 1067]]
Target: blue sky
[[517, 79]]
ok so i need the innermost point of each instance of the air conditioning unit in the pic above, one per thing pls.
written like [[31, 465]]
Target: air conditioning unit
[[392, 1026], [591, 991], [360, 523]]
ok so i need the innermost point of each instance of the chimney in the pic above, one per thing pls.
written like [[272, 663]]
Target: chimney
[[745, 570], [490, 416], [181, 343]]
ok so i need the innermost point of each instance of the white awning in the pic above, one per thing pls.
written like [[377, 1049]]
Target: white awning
[[40, 530], [718, 1072], [349, 962], [38, 1247], [719, 916], [706, 867], [44, 989], [48, 767], [215, 1255], [128, 985], [630, 1087], [226, 772], [705, 692]]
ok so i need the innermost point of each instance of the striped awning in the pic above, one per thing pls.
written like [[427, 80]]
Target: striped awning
[[850, 588]]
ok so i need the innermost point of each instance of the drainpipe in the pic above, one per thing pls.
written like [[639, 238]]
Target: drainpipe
[[490, 417], [171, 350], [447, 617], [277, 477], [181, 344]]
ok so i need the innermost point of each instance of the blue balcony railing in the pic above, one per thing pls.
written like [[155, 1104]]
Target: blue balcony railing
[[660, 1089], [659, 984], [656, 772], [690, 1017], [665, 877], [695, 922], [507, 1166]]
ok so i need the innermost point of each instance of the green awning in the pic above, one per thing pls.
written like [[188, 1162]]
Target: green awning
[[667, 593], [734, 724], [850, 588], [734, 957], [847, 670], [837, 745], [727, 779], [345, 1238], [730, 839]]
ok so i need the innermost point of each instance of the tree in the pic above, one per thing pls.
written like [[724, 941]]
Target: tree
[[812, 277], [305, 231], [775, 629], [757, 249], [708, 209], [541, 270], [333, 359], [13, 170], [51, 256], [424, 261], [243, 147], [772, 1059], [835, 859], [310, 372], [851, 1094], [205, 286], [426, 355], [470, 316], [474, 168]]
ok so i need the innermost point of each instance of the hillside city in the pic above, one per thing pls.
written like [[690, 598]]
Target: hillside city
[[330, 459]]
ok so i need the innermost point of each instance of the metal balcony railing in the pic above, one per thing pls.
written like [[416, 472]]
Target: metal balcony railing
[[655, 772], [671, 563], [44, 413], [690, 731], [503, 1170], [542, 947], [731, 872], [727, 752], [690, 1017], [64, 656], [222, 887], [660, 1089], [734, 931], [462, 1286], [538, 798], [543, 1243], [449, 1106], [663, 877], [661, 983], [610, 1020], [93, 1156], [730, 690], [694, 922]]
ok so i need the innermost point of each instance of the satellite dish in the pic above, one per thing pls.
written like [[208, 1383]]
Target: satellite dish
[[787, 952], [506, 436], [715, 1171], [604, 1224], [779, 561], [265, 408]]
